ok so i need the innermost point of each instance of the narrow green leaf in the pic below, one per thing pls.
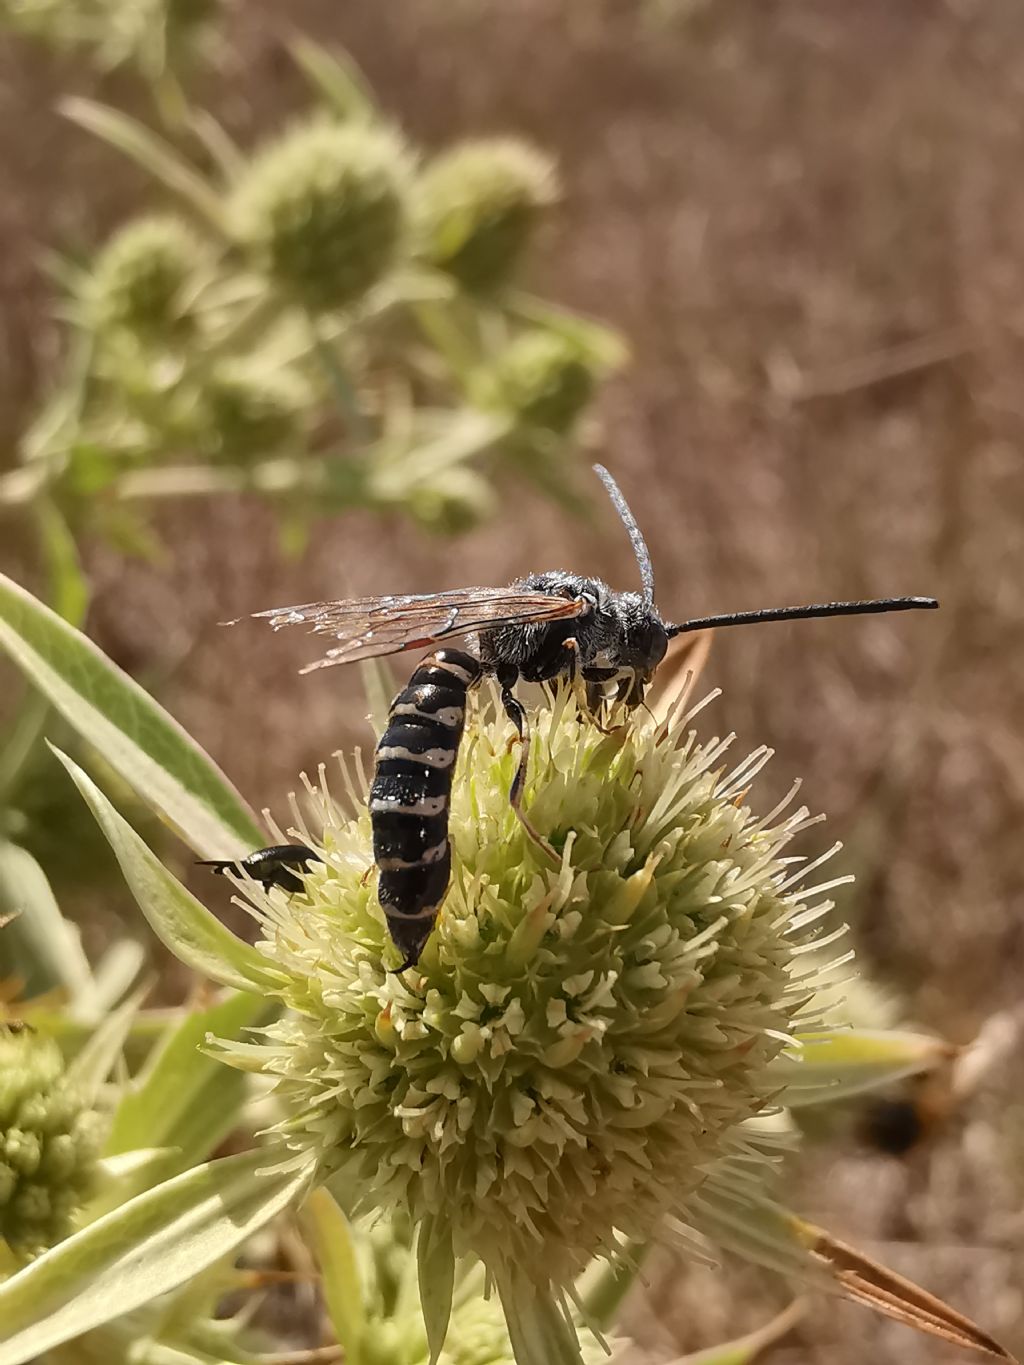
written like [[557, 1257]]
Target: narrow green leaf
[[127, 1165], [754, 1228], [116, 970], [604, 1285], [175, 916], [435, 1259], [337, 79], [832, 1064], [100, 1054], [69, 591], [38, 946], [135, 735], [743, 1350], [68, 595], [157, 157], [330, 1238], [539, 1333], [185, 1099], [148, 1246], [603, 345]]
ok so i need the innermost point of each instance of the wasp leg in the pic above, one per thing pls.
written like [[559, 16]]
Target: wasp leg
[[574, 677], [268, 866], [516, 714]]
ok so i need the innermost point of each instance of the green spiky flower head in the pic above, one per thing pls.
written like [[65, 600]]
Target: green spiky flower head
[[322, 210], [49, 1142], [141, 280], [542, 380], [583, 1038], [251, 408], [477, 207]]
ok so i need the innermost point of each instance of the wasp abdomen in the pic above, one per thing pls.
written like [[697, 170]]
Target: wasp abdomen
[[410, 795]]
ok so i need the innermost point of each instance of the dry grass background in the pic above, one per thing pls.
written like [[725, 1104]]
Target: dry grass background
[[808, 217]]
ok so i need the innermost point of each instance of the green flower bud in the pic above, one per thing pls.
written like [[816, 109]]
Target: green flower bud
[[49, 1141], [477, 207], [322, 211], [141, 278], [541, 379], [580, 1043], [454, 504], [250, 409]]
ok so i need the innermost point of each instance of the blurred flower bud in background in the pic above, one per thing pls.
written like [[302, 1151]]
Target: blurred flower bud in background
[[477, 207], [322, 211]]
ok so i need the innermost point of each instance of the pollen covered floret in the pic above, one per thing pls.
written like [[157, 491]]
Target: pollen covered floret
[[49, 1141], [580, 1042]]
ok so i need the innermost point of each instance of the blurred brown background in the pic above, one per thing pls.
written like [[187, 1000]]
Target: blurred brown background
[[808, 218]]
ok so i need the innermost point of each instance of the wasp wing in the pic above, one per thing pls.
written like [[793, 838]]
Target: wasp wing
[[368, 627]]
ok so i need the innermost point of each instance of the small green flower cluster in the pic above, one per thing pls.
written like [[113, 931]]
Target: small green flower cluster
[[329, 321], [49, 1141]]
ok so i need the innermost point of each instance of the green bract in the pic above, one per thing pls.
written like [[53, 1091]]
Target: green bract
[[49, 1141], [322, 210], [477, 206], [581, 1042]]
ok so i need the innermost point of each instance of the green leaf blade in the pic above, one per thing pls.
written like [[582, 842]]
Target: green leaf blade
[[135, 735], [185, 1099], [39, 946], [435, 1259], [150, 1245], [157, 157], [833, 1064], [331, 1240]]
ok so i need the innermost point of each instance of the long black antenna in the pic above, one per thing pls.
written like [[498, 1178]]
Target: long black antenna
[[743, 618], [643, 555]]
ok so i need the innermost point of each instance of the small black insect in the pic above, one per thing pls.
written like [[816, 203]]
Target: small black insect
[[269, 866], [545, 627]]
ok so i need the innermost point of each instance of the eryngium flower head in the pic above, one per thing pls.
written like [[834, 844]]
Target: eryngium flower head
[[49, 1141], [580, 1042], [252, 409], [140, 281], [477, 207], [541, 380], [322, 211]]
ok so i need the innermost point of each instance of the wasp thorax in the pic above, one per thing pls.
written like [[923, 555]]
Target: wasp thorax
[[582, 1038]]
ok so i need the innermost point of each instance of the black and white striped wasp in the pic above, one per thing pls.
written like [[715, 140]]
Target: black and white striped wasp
[[547, 627]]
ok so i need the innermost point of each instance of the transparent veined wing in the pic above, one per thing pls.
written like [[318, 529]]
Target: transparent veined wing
[[368, 627]]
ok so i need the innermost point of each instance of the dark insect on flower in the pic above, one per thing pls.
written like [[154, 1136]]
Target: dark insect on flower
[[547, 627], [268, 866]]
